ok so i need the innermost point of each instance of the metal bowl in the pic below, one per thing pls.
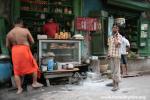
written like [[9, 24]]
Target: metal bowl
[[4, 57]]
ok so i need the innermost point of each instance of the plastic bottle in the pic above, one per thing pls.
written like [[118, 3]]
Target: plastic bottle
[[55, 66]]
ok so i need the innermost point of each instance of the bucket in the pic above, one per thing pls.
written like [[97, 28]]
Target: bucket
[[104, 66], [5, 69]]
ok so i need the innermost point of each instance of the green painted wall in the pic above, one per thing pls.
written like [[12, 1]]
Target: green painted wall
[[5, 9], [4, 23], [78, 7], [130, 4], [15, 10], [3, 31]]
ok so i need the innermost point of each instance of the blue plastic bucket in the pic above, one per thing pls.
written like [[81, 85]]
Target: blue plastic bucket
[[5, 71]]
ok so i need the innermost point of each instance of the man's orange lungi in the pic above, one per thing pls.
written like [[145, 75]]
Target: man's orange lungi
[[23, 60]]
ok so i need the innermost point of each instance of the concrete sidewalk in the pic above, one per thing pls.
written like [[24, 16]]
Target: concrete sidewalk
[[131, 88]]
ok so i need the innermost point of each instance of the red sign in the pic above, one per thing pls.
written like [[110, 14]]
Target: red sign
[[86, 24]]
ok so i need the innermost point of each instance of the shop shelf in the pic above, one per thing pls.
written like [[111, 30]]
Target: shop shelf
[[56, 5], [35, 2], [34, 11], [33, 19]]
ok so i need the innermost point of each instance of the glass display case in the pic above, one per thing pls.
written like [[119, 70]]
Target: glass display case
[[65, 51]]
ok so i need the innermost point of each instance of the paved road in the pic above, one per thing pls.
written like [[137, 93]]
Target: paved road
[[132, 88]]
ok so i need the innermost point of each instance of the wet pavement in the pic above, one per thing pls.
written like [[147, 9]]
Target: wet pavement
[[131, 88]]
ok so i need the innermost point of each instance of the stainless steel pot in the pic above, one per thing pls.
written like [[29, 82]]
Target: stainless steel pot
[[4, 57]]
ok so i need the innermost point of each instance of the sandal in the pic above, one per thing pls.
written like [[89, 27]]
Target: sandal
[[37, 85], [19, 91], [115, 88]]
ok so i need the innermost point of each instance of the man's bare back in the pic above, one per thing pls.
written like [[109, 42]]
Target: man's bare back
[[19, 36]]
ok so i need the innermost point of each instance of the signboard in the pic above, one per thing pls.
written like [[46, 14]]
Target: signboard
[[86, 24]]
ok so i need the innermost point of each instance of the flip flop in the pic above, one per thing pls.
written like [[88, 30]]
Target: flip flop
[[115, 88], [37, 85], [19, 91]]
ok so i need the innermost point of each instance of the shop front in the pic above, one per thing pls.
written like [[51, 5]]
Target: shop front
[[132, 12], [59, 54], [136, 28]]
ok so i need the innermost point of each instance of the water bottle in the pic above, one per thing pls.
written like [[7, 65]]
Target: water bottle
[[55, 66]]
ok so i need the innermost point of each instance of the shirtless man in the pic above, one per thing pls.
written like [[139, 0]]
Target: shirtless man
[[19, 40]]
